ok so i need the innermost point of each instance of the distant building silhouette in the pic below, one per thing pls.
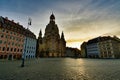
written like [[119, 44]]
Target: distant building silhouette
[[51, 44], [83, 50], [72, 52]]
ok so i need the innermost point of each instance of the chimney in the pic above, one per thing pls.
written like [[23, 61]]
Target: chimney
[[12, 20], [6, 18], [18, 23]]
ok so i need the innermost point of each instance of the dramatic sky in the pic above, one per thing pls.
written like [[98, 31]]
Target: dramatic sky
[[80, 20]]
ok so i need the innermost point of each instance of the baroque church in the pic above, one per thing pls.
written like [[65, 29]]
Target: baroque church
[[51, 44]]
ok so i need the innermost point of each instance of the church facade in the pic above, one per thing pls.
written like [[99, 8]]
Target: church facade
[[51, 44]]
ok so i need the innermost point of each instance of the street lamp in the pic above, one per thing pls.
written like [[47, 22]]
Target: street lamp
[[23, 59], [22, 65]]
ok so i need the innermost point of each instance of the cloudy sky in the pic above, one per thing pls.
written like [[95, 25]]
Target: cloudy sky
[[80, 20]]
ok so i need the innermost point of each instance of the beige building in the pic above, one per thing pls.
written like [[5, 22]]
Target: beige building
[[109, 47], [51, 44]]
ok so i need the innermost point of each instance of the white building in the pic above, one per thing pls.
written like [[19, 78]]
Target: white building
[[29, 46], [93, 50]]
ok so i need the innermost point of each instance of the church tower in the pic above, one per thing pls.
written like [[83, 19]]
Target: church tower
[[51, 43], [40, 37], [39, 44], [62, 45], [62, 36]]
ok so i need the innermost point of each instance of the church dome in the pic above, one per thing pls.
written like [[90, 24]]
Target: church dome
[[52, 28]]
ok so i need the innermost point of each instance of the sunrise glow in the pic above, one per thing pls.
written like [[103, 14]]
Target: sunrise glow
[[80, 20]]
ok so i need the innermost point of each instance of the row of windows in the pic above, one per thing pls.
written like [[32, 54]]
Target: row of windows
[[11, 37], [3, 30], [29, 51], [30, 47], [108, 48], [31, 43], [92, 51], [10, 49], [105, 45], [104, 42], [9, 43], [29, 56], [107, 53], [31, 40], [92, 48]]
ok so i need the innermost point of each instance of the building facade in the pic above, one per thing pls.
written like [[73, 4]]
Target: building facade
[[72, 52], [29, 45], [83, 50], [109, 47], [51, 44], [12, 38], [93, 50], [104, 47]]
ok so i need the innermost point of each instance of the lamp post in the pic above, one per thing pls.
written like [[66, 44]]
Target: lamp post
[[22, 65], [23, 59]]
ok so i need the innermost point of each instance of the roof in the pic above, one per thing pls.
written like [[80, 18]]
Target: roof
[[104, 38], [15, 27]]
